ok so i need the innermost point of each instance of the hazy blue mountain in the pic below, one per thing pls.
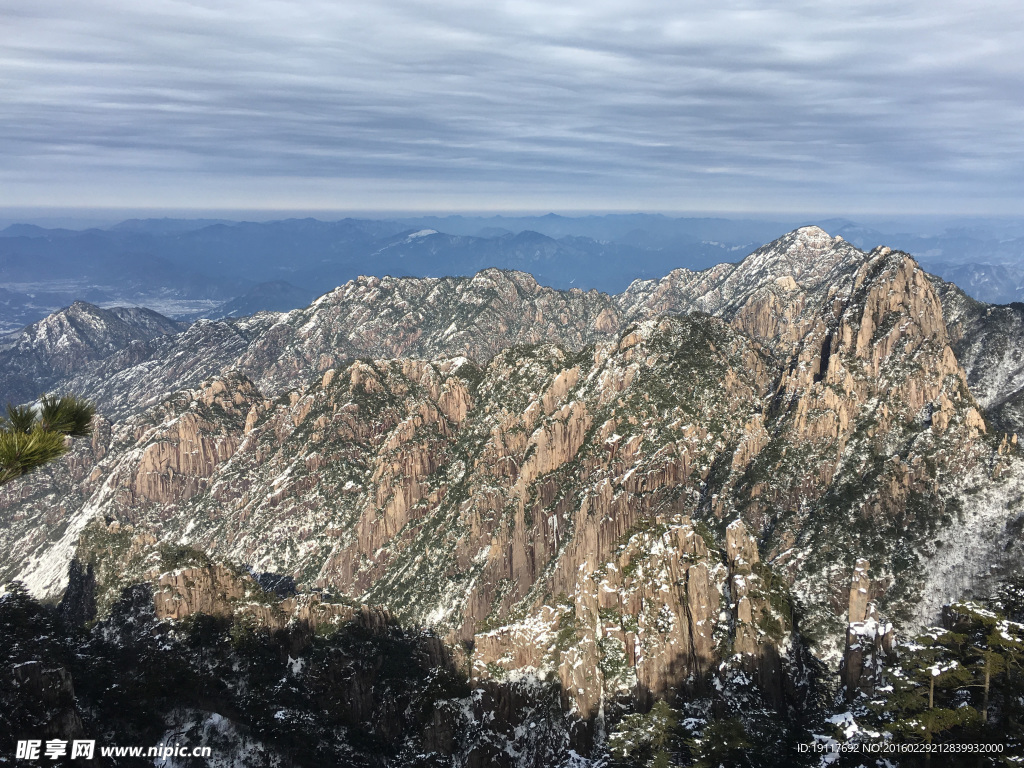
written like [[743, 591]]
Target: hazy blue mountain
[[992, 283], [188, 268], [32, 230], [274, 296], [165, 226], [614, 227]]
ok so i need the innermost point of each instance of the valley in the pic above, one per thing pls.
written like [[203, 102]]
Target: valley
[[593, 505]]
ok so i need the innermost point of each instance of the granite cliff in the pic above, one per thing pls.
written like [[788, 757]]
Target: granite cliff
[[630, 497]]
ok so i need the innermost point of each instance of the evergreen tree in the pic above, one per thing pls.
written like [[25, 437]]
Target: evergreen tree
[[929, 672], [31, 437], [994, 652], [646, 738], [960, 683], [723, 742]]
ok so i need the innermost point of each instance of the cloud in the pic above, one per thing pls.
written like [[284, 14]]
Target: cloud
[[394, 103]]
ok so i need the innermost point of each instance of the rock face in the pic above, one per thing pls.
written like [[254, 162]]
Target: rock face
[[988, 341], [51, 692], [184, 448], [869, 639], [614, 493], [211, 590], [619, 634], [218, 591], [69, 340]]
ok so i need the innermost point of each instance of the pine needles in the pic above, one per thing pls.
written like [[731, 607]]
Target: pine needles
[[67, 415], [33, 436]]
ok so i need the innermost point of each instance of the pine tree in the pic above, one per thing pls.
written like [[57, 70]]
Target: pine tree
[[33, 436], [646, 739], [994, 652], [929, 672], [723, 742]]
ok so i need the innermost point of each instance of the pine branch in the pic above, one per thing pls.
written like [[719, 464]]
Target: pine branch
[[20, 418], [31, 437], [68, 415], [21, 452]]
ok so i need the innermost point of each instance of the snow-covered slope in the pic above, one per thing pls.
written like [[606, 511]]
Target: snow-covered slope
[[457, 448]]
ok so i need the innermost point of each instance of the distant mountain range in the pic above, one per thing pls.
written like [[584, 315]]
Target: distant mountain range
[[525, 521], [187, 269]]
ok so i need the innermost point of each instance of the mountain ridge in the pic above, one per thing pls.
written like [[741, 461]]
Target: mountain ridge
[[761, 298], [629, 497]]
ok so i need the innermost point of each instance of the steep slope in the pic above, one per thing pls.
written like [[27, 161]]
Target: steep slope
[[615, 493], [142, 375], [802, 261], [468, 499], [424, 318], [66, 341], [989, 342]]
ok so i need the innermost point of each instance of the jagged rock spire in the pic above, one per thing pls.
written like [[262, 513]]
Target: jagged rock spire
[[869, 639]]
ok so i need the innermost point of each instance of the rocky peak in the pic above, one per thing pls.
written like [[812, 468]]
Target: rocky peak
[[869, 638], [614, 493], [86, 325], [806, 254], [424, 318], [70, 339], [775, 294]]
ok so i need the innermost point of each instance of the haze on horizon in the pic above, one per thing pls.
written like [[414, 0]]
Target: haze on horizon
[[398, 105]]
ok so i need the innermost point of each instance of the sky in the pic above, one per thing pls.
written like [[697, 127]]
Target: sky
[[845, 107]]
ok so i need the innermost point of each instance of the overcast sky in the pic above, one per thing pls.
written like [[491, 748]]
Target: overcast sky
[[916, 106]]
